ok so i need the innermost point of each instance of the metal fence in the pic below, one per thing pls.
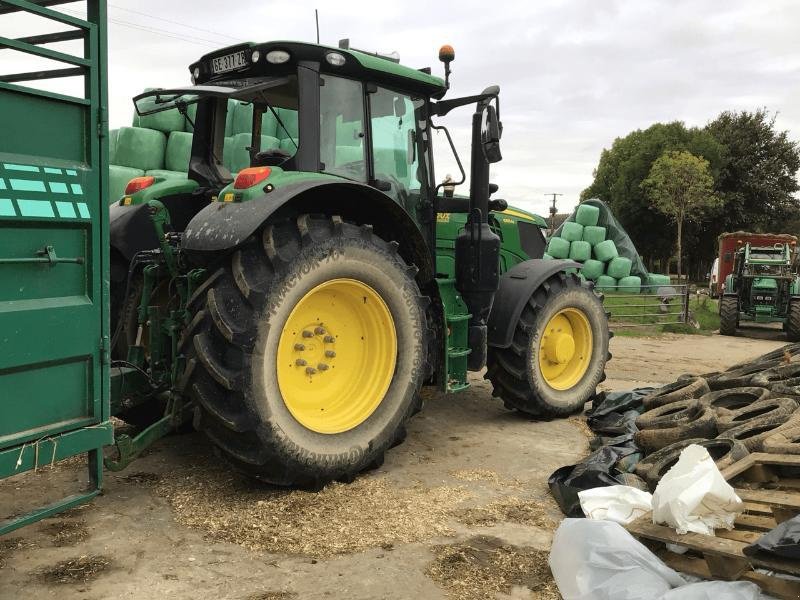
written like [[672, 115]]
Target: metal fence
[[663, 305]]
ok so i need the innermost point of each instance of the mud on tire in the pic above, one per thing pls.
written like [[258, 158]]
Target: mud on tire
[[514, 371], [239, 315]]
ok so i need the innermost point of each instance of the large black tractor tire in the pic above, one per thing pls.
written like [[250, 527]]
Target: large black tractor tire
[[793, 321], [515, 372], [728, 315], [244, 317]]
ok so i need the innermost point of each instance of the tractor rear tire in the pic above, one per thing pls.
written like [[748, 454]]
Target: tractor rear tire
[[283, 386], [728, 315], [516, 372], [793, 321]]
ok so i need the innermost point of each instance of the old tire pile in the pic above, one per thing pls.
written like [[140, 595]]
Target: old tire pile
[[751, 407], [583, 240]]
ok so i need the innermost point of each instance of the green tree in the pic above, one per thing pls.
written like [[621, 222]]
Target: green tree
[[623, 167], [757, 179], [681, 187]]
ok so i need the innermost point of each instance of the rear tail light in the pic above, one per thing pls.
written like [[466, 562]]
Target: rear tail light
[[137, 184], [247, 178]]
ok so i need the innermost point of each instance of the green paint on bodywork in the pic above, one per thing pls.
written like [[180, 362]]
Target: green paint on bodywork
[[160, 189], [376, 63], [277, 178]]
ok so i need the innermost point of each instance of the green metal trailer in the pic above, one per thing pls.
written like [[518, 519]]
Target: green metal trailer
[[54, 355]]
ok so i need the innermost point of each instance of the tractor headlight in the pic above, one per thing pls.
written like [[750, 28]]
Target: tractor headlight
[[195, 74], [277, 57], [335, 59], [255, 56]]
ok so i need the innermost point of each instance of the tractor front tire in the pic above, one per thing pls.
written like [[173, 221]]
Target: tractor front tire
[[559, 351], [793, 320], [308, 352], [728, 315]]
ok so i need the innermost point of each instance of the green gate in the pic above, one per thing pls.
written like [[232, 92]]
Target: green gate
[[54, 397]]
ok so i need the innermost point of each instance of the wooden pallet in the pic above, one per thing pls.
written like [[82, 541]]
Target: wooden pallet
[[768, 501]]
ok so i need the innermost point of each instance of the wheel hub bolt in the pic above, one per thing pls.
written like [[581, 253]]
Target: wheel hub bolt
[[299, 347], [300, 362], [307, 334], [311, 370], [319, 331], [322, 367], [330, 353], [329, 339]]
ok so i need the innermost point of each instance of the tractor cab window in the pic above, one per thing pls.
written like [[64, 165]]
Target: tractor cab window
[[396, 143], [342, 128]]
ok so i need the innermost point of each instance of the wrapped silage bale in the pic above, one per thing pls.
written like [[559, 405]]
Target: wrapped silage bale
[[572, 232], [606, 283], [113, 138], [582, 278], [118, 178], [594, 234], [587, 215], [580, 251], [606, 251], [654, 279], [141, 148], [592, 269], [630, 284], [546, 256], [619, 267], [558, 247]]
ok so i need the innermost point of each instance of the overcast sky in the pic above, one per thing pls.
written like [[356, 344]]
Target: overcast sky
[[573, 74]]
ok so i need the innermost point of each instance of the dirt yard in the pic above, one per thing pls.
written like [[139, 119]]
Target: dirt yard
[[460, 510]]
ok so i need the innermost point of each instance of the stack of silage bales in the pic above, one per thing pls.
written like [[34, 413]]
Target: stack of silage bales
[[583, 240]]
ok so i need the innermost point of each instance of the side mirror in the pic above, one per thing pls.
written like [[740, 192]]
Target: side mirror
[[490, 135]]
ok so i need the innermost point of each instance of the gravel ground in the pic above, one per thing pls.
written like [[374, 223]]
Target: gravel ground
[[460, 510]]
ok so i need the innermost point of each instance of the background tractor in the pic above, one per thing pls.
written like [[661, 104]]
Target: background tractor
[[763, 287], [292, 310]]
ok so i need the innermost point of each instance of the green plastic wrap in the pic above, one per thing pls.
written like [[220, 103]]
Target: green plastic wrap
[[592, 269], [227, 152], [616, 233], [558, 247], [619, 267], [655, 281], [113, 139], [141, 148], [290, 145], [606, 283], [587, 215], [606, 251], [580, 251], [179, 151], [165, 174], [242, 120], [289, 119], [164, 121], [546, 256], [191, 111], [571, 271], [572, 232], [229, 118], [118, 178], [594, 234], [630, 285]]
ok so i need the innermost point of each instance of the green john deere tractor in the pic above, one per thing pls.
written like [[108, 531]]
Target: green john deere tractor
[[292, 310], [764, 288]]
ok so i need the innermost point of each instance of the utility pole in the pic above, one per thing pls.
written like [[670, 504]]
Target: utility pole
[[553, 212]]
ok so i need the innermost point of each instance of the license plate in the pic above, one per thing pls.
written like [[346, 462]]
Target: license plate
[[229, 62]]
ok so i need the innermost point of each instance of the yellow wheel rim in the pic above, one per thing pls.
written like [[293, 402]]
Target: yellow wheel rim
[[336, 356], [565, 349]]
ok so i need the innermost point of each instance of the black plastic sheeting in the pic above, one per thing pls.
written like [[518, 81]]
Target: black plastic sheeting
[[612, 417], [783, 541]]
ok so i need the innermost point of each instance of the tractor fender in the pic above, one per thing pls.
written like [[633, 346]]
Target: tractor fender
[[222, 226], [131, 230], [517, 285]]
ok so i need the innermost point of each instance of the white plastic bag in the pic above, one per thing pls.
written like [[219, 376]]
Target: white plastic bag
[[619, 503], [693, 495], [599, 560]]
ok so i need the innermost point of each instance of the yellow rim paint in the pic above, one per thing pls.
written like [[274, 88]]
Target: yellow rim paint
[[565, 349], [336, 356]]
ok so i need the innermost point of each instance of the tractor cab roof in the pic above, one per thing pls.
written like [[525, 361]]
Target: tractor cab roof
[[250, 60]]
